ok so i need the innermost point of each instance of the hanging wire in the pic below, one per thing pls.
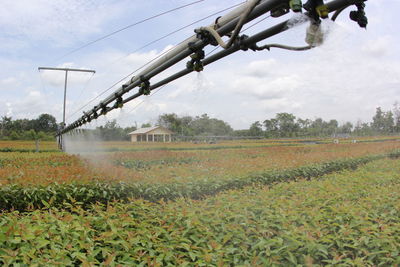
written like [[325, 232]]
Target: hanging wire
[[157, 57], [254, 24], [251, 26], [84, 87], [173, 32], [144, 100], [207, 54], [42, 82], [127, 27], [121, 80], [43, 87]]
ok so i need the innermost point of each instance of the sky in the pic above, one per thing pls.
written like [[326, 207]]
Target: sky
[[347, 78]]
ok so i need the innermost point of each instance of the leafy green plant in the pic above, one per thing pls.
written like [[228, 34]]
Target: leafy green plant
[[16, 197], [346, 219]]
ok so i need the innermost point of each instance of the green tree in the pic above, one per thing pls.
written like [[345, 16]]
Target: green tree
[[286, 124], [127, 131], [204, 125], [5, 123], [256, 129], [396, 113], [332, 128], [303, 126], [46, 123], [271, 128], [146, 125], [170, 121], [110, 131], [14, 135], [346, 128], [383, 122]]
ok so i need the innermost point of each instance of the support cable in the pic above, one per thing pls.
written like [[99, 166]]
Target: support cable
[[144, 100], [229, 23], [157, 57], [42, 82], [243, 43], [237, 29], [120, 80], [248, 42], [178, 30], [129, 26], [84, 88]]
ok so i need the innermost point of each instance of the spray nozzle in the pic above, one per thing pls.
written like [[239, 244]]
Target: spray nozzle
[[86, 117], [119, 103], [311, 5], [198, 66], [359, 15], [317, 9], [103, 110], [95, 115], [199, 55], [280, 10], [295, 5], [322, 11], [195, 63], [204, 36], [144, 86]]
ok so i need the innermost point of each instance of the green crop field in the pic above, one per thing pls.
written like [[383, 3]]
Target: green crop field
[[229, 204]]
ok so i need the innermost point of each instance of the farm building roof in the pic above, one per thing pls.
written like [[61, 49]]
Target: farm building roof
[[148, 129]]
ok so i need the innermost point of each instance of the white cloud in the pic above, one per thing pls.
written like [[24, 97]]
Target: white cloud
[[377, 47], [346, 78], [54, 20], [9, 81], [32, 105]]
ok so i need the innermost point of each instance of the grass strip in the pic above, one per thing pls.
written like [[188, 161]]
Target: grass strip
[[25, 150]]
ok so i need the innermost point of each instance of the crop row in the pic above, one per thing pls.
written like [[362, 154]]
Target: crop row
[[348, 219], [162, 166], [58, 195], [145, 164]]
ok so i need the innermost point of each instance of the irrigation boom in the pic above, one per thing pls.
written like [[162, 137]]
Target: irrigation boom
[[228, 25]]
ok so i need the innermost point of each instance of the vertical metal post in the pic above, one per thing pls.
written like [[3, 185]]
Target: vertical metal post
[[60, 139], [65, 96]]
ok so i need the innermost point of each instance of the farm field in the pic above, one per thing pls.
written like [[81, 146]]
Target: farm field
[[249, 203], [171, 163], [347, 219]]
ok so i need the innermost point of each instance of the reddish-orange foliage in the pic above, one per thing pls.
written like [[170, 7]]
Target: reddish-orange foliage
[[167, 166]]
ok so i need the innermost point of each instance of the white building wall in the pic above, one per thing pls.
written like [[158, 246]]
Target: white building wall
[[158, 131]]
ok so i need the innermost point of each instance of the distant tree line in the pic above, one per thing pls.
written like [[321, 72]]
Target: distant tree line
[[44, 128], [283, 125], [195, 126], [182, 126], [111, 131]]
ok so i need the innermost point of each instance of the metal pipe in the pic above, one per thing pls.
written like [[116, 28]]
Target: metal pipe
[[66, 69], [226, 24], [65, 95], [247, 42], [176, 56]]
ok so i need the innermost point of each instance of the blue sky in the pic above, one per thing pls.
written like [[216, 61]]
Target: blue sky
[[351, 74]]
